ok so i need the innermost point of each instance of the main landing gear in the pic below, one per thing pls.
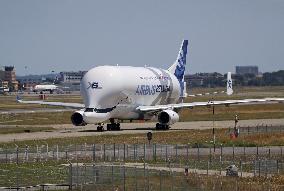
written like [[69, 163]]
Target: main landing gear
[[100, 127], [110, 127], [162, 126], [113, 126]]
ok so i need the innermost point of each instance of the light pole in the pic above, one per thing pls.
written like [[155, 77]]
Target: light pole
[[213, 112]]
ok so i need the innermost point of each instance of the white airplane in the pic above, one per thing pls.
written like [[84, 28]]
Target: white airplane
[[136, 93], [4, 89], [45, 87]]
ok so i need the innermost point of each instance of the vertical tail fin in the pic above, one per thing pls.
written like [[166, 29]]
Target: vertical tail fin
[[229, 84], [178, 67]]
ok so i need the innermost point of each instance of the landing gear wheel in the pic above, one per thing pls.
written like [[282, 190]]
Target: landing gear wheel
[[118, 126], [162, 126], [108, 127], [113, 127], [157, 126], [100, 128]]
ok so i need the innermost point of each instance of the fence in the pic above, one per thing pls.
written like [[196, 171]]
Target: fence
[[107, 176], [40, 166], [139, 152], [260, 128]]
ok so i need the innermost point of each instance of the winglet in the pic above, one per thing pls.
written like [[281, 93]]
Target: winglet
[[229, 84]]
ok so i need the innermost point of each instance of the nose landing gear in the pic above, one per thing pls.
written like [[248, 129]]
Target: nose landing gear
[[100, 127]]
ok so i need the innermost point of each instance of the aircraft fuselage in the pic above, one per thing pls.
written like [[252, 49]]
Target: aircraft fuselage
[[116, 91]]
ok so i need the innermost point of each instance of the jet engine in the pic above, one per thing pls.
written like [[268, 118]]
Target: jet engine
[[77, 118], [168, 117]]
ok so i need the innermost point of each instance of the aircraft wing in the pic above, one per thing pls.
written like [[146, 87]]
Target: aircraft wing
[[72, 105], [209, 103]]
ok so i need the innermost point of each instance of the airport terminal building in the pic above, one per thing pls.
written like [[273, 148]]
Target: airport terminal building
[[72, 79]]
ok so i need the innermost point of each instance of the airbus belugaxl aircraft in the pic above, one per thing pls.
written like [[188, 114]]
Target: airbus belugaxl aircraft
[[123, 92]]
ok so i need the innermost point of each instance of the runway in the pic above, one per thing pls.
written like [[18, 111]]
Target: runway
[[68, 130]]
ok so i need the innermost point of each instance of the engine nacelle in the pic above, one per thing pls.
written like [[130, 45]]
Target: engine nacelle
[[95, 118], [77, 118], [168, 117]]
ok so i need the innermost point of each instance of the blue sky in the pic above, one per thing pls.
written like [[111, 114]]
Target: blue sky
[[38, 37]]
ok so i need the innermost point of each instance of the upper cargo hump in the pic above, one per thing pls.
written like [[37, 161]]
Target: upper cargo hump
[[178, 67]]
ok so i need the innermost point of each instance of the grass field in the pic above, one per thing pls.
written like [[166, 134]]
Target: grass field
[[30, 129], [27, 174], [267, 91], [258, 111], [45, 118], [202, 137], [8, 102]]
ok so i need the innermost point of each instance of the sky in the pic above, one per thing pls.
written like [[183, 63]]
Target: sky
[[38, 37]]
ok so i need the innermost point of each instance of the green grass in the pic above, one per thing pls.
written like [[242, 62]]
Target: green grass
[[265, 90], [202, 137], [9, 102], [29, 129], [44, 118], [27, 174], [258, 111], [4, 106]]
